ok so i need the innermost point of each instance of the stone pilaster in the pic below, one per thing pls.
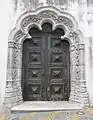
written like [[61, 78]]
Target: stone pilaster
[[9, 92], [75, 72], [83, 95], [13, 93], [19, 69], [72, 75]]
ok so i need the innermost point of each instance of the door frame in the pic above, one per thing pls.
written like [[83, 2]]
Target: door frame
[[73, 35]]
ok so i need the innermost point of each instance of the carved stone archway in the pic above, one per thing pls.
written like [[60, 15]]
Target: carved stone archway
[[73, 35]]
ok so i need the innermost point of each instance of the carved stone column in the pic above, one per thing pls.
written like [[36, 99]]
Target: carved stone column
[[19, 69], [78, 89], [13, 94], [83, 95], [74, 70], [9, 99], [72, 75]]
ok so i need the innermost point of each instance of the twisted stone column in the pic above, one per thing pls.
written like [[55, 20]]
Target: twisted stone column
[[83, 95], [74, 70], [9, 98], [13, 92]]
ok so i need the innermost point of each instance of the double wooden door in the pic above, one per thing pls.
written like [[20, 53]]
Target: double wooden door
[[45, 66]]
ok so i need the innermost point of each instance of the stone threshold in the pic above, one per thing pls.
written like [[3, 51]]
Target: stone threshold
[[32, 106]]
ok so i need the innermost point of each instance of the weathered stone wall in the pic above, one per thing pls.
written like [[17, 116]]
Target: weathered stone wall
[[4, 23]]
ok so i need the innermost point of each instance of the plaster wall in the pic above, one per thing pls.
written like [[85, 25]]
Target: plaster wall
[[10, 10], [4, 23]]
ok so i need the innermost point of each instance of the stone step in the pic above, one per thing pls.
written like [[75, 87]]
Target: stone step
[[46, 106]]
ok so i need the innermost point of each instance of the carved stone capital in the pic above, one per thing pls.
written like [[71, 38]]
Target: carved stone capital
[[11, 44]]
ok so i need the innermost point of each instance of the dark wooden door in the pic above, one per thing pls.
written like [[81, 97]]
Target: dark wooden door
[[45, 74]]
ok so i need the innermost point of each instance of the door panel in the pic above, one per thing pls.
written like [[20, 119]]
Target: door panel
[[58, 67], [33, 67], [45, 66]]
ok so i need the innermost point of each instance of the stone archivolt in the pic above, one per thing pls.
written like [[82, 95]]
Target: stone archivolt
[[55, 18]]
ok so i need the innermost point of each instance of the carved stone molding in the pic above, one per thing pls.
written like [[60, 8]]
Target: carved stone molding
[[48, 15], [18, 35], [36, 19]]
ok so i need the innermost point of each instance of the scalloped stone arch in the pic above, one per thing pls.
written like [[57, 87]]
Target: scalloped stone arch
[[40, 16], [54, 10], [77, 48]]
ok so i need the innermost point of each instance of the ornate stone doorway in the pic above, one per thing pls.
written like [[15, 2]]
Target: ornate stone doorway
[[46, 74], [72, 34]]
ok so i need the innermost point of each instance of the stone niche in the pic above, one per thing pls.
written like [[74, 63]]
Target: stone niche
[[13, 94]]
